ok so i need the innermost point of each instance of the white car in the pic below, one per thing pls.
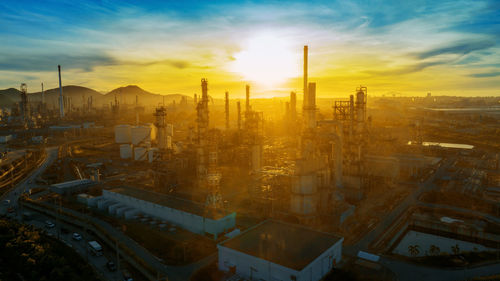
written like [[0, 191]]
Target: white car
[[77, 236], [49, 224]]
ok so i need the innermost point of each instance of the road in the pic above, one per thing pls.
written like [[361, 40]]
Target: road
[[389, 219], [414, 272], [99, 263], [27, 183]]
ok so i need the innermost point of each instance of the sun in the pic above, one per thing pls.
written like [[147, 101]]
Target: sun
[[266, 60]]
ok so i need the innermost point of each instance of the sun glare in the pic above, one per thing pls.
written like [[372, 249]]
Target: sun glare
[[266, 60]]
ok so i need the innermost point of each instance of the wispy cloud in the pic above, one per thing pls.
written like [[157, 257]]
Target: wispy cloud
[[459, 48], [485, 75], [48, 62]]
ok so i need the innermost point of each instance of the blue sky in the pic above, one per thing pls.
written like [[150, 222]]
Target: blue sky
[[448, 47]]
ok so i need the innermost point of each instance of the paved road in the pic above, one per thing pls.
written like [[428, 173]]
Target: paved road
[[389, 219], [28, 182], [413, 272], [97, 262]]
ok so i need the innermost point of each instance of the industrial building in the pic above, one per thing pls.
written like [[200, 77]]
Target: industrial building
[[192, 216], [275, 250]]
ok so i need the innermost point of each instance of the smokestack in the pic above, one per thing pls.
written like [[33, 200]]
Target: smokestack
[[43, 96], [305, 76], [61, 101], [238, 104], [227, 110], [293, 105], [204, 91], [247, 108]]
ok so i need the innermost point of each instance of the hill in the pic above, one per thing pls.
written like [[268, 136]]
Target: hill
[[128, 94], [79, 95]]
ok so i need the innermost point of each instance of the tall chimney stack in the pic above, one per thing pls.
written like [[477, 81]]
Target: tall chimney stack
[[238, 104], [306, 99], [43, 96], [247, 108], [227, 110], [61, 101]]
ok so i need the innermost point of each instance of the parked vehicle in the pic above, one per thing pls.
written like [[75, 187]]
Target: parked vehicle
[[6, 202], [111, 266], [49, 224], [77, 236], [95, 248]]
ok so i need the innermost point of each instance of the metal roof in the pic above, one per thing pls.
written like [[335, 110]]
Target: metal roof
[[289, 245]]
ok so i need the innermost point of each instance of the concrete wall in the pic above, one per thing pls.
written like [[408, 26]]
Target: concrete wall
[[256, 268]]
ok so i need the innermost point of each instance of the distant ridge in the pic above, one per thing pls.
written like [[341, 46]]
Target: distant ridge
[[79, 95]]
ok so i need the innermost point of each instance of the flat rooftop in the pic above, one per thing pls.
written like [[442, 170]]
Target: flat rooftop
[[285, 244], [177, 203]]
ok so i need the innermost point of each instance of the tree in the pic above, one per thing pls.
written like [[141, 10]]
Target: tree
[[414, 250], [434, 250], [455, 249]]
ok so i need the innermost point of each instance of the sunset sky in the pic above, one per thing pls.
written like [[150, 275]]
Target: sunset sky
[[443, 47]]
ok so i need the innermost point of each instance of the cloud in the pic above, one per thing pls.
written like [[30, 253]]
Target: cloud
[[460, 48], [180, 64], [48, 62], [407, 69], [484, 75]]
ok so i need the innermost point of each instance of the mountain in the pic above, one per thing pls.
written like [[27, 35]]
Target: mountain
[[128, 95], [9, 96], [78, 95]]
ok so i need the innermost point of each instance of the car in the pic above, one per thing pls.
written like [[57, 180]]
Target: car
[[6, 202], [77, 236], [111, 266], [10, 210], [49, 224]]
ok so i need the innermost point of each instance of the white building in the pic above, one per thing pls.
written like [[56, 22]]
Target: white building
[[275, 250], [192, 216]]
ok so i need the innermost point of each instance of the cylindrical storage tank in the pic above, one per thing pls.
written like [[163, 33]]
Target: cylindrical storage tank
[[153, 130], [141, 134], [162, 138], [123, 134], [125, 151], [140, 153], [170, 130], [169, 142], [151, 154]]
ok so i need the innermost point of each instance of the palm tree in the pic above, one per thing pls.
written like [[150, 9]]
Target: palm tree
[[434, 250], [455, 249], [414, 250]]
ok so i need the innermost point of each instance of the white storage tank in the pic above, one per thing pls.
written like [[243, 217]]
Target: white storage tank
[[170, 130], [125, 151], [123, 134], [140, 153], [141, 134], [151, 154], [153, 130], [169, 142]]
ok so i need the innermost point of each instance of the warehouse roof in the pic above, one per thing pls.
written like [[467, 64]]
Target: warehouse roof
[[171, 202], [285, 244]]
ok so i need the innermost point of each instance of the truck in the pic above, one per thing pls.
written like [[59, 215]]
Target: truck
[[95, 248]]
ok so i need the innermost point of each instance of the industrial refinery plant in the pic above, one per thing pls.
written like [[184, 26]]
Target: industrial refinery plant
[[243, 180]]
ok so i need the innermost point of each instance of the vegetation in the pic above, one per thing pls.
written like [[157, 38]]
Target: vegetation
[[27, 254]]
